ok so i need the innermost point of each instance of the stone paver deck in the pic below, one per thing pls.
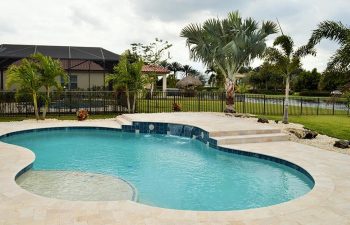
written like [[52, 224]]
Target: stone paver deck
[[328, 202]]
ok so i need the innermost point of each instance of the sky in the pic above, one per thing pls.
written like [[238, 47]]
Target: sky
[[115, 24]]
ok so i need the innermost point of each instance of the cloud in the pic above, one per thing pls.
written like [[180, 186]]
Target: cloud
[[114, 25]]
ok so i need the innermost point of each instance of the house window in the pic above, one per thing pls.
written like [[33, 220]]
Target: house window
[[73, 82]]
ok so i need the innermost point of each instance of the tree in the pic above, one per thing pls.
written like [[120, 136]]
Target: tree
[[49, 70], [228, 44], [216, 78], [187, 69], [307, 80], [127, 75], [265, 77], [287, 62], [335, 31], [153, 52], [27, 78]]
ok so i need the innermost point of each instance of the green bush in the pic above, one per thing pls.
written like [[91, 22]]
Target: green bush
[[315, 93]]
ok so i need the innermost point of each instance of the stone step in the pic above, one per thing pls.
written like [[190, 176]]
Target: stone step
[[243, 132], [254, 138], [122, 121]]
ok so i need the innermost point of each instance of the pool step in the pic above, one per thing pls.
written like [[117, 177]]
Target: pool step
[[123, 121], [242, 132], [253, 138]]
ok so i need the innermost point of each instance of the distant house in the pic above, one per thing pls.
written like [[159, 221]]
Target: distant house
[[86, 66]]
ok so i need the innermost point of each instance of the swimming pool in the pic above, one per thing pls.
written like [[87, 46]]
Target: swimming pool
[[167, 171]]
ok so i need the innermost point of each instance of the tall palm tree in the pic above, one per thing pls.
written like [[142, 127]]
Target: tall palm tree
[[27, 79], [335, 31], [287, 62], [229, 44], [51, 72]]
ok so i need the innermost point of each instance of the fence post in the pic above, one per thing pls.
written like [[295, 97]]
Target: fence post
[[333, 107], [318, 105], [264, 104], [199, 102], [222, 101], [148, 99], [244, 99], [283, 106], [301, 106]]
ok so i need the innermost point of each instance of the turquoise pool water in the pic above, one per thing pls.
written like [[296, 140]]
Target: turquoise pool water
[[167, 171]]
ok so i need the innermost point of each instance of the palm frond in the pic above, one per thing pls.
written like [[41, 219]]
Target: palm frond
[[330, 30], [286, 43]]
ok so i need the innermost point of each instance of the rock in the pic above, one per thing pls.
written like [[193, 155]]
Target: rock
[[299, 133], [263, 120], [82, 114], [341, 144], [303, 133], [309, 134], [276, 121]]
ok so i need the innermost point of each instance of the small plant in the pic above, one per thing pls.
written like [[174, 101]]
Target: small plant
[[176, 107], [82, 114]]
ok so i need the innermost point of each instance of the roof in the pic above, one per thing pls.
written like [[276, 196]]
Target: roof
[[155, 69], [189, 81], [10, 53], [76, 65]]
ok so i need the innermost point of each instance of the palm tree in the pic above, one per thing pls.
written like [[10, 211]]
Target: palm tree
[[187, 69], [286, 61], [27, 78], [229, 44], [50, 70], [128, 76], [335, 31]]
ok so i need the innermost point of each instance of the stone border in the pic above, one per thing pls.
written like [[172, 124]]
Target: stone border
[[327, 203]]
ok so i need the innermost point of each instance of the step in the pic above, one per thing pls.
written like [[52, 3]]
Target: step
[[254, 138], [123, 121], [243, 132]]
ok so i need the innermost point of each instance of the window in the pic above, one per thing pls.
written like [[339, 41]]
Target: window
[[73, 82]]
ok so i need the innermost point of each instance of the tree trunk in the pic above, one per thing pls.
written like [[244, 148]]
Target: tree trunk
[[286, 102], [128, 100], [230, 95], [35, 102], [134, 103], [46, 102]]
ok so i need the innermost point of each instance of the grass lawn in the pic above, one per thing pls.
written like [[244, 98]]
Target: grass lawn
[[335, 126]]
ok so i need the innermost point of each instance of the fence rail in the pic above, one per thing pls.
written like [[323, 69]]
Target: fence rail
[[104, 102]]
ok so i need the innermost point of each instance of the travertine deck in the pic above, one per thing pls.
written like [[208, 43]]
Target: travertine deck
[[327, 203]]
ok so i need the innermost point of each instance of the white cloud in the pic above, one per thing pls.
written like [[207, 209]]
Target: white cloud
[[114, 25]]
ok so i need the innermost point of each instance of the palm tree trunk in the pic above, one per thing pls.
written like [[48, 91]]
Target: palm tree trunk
[[286, 102], [46, 102], [128, 99], [35, 102], [134, 102], [230, 94]]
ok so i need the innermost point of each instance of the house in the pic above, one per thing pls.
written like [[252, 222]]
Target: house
[[86, 66]]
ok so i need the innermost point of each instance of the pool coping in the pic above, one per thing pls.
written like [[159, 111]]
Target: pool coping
[[328, 201]]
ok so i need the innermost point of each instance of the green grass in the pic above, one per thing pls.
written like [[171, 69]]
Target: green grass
[[334, 126]]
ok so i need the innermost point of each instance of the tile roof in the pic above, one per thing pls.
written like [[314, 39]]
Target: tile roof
[[155, 69]]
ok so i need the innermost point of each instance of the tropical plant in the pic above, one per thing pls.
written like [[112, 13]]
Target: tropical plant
[[335, 31], [307, 80], [127, 75], [187, 69], [27, 78], [51, 72], [228, 44], [287, 62], [216, 78]]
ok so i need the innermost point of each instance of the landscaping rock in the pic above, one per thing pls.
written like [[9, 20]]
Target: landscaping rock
[[303, 133], [263, 120], [276, 121], [341, 144], [309, 134], [82, 114]]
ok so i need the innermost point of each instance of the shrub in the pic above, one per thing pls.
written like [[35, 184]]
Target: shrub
[[315, 93], [82, 114], [176, 107]]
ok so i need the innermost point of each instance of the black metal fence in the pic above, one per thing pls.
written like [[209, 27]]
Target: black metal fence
[[104, 102]]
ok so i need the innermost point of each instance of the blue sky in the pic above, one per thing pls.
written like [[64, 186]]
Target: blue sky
[[114, 25]]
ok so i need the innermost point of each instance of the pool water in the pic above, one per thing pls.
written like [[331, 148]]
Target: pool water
[[167, 171]]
